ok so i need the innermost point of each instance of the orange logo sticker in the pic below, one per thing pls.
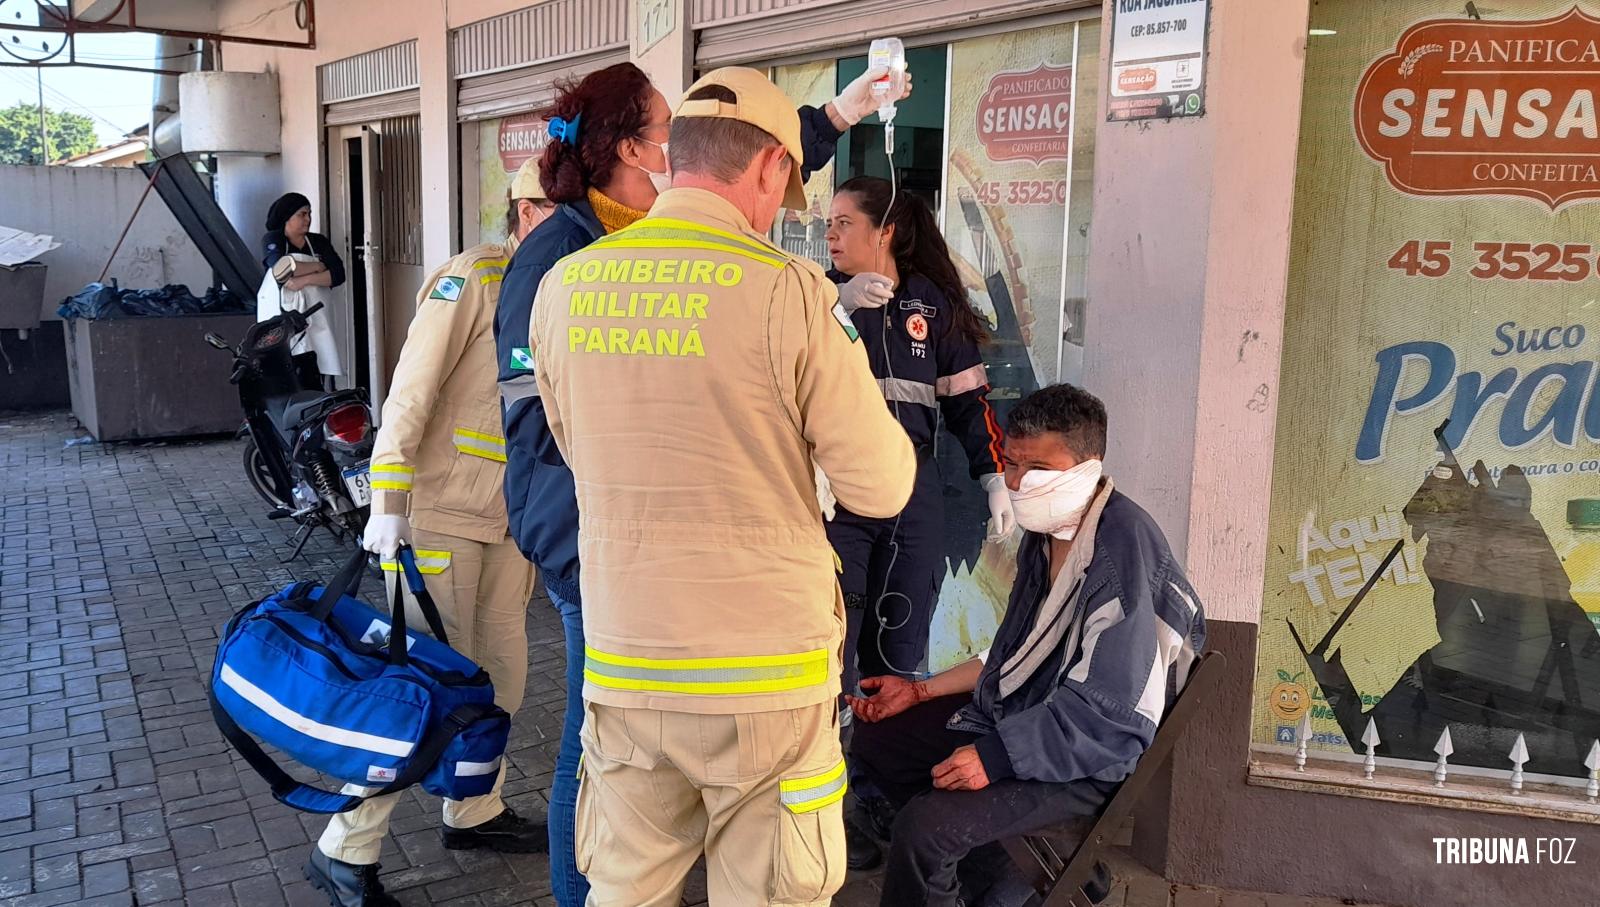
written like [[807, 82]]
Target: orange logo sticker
[[917, 326], [1467, 107]]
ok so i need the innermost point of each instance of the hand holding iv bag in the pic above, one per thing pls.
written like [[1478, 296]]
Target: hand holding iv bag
[[888, 54]]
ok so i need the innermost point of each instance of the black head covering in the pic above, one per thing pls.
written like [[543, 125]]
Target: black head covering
[[284, 208]]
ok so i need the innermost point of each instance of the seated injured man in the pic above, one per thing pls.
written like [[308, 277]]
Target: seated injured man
[[1098, 638]]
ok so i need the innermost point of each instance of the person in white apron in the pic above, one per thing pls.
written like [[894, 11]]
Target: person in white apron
[[302, 270]]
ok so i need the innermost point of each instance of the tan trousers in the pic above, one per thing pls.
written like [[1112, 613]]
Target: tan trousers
[[758, 793], [482, 593]]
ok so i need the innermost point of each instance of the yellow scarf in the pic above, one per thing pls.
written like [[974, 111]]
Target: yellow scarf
[[613, 215]]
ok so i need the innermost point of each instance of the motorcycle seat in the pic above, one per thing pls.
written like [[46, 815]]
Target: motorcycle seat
[[290, 411]]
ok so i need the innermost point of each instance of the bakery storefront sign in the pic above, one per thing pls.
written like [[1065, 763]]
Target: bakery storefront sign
[[1026, 116], [1469, 107], [521, 137]]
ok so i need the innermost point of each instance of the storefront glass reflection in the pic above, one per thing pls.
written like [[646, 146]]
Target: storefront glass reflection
[[1434, 556]]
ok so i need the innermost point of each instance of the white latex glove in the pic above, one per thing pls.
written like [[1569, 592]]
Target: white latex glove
[[385, 533], [1002, 519], [865, 291], [825, 498], [857, 101]]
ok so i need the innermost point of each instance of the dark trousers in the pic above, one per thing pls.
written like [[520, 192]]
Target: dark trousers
[[891, 576], [938, 832]]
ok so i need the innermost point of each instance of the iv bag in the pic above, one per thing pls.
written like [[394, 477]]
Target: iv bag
[[891, 54]]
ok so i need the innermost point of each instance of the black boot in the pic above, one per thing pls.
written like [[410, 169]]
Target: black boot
[[860, 850], [347, 884], [506, 833]]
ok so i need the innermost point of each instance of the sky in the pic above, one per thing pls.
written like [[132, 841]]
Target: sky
[[118, 102]]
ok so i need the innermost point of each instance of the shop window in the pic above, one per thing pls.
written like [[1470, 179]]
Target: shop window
[[503, 144], [1434, 552], [998, 139]]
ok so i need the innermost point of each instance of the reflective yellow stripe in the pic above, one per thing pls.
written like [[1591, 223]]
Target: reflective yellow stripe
[[398, 477], [707, 676], [487, 279], [625, 243], [673, 223], [804, 795], [478, 444], [428, 562], [492, 263]]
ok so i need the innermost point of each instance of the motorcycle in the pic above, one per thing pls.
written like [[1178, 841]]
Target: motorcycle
[[306, 452]]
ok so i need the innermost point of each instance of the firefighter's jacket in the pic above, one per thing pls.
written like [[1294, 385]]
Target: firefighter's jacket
[[691, 373], [440, 456]]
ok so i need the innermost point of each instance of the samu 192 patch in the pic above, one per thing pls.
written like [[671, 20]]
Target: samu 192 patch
[[447, 288], [843, 317], [522, 358]]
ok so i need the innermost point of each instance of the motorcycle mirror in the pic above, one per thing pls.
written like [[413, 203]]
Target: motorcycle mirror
[[215, 341]]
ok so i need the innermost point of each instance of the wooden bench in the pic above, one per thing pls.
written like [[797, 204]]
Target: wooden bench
[[1059, 879]]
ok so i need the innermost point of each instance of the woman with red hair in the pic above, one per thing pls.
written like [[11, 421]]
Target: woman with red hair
[[605, 164]]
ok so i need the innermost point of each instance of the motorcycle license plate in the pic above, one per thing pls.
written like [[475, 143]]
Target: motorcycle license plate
[[358, 481]]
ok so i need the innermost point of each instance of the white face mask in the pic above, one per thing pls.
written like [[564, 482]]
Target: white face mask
[[1054, 502], [662, 181]]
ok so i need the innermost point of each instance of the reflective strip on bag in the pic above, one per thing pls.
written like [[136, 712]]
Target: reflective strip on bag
[[707, 676], [301, 724], [478, 444], [392, 477], [428, 562], [470, 769], [804, 795]]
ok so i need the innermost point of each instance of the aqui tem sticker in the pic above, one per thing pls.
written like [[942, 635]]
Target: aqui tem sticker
[[843, 317], [522, 358], [447, 288], [379, 773]]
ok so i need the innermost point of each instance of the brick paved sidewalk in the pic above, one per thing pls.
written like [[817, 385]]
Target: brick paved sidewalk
[[118, 564]]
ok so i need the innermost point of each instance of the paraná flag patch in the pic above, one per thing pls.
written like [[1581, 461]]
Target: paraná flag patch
[[843, 317], [447, 288]]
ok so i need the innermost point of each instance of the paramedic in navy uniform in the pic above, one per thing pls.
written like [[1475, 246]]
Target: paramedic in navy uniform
[[901, 290]]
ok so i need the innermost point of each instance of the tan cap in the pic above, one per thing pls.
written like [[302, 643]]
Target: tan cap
[[526, 182], [761, 104]]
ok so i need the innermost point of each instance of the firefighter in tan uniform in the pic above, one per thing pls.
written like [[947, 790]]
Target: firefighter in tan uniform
[[437, 470], [693, 374]]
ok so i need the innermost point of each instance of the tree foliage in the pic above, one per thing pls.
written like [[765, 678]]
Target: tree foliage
[[70, 134]]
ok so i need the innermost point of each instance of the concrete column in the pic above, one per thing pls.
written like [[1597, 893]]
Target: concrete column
[[669, 62], [1188, 268], [440, 189]]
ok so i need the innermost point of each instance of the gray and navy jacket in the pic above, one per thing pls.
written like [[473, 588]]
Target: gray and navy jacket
[[541, 500], [1076, 692], [948, 380]]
